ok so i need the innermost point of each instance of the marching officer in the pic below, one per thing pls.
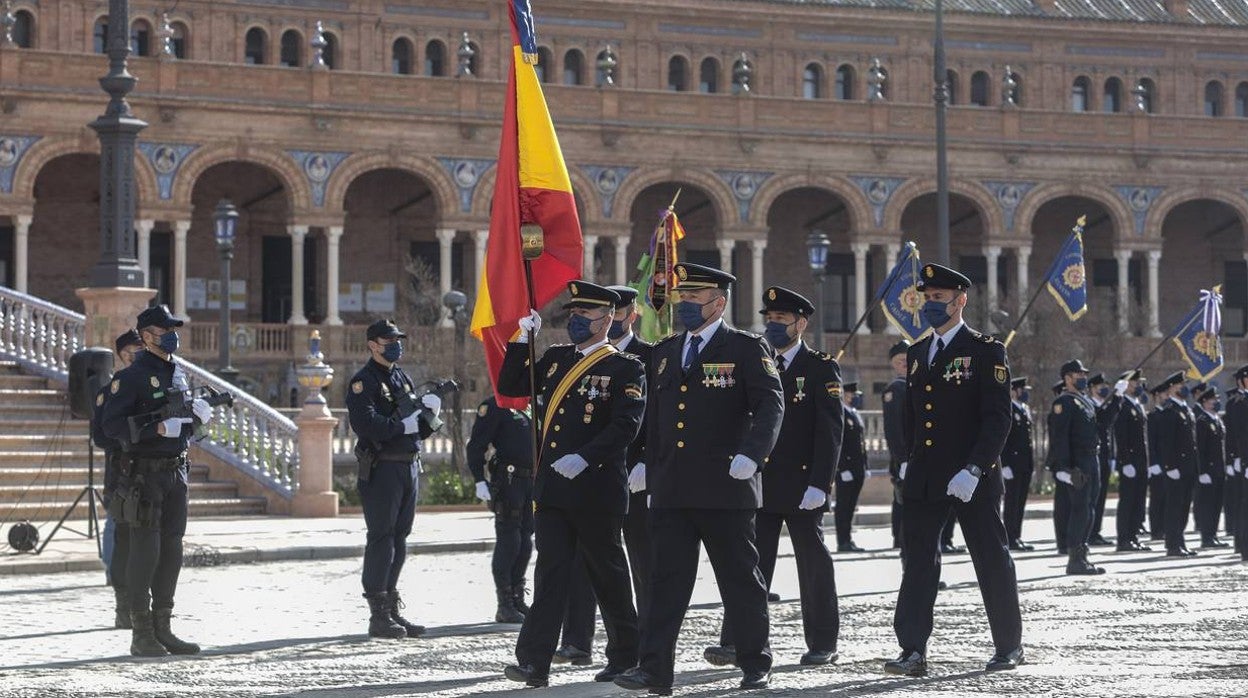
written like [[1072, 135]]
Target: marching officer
[[1230, 492], [1017, 464], [115, 539], [851, 470], [797, 476], [1176, 453], [715, 410], [894, 399], [957, 417], [150, 495], [1073, 449], [1108, 403], [1237, 443], [590, 402], [508, 490], [1211, 461], [1131, 444], [1156, 481], [388, 451]]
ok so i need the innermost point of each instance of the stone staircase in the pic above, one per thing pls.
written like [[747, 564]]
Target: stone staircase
[[43, 458]]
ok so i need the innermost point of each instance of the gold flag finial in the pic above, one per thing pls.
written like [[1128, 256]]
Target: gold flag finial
[[1083, 220]]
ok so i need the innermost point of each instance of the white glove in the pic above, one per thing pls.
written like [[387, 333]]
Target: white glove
[[1154, 470], [1173, 474], [1113, 463], [173, 426], [963, 485], [1063, 476], [431, 401], [637, 478], [742, 468], [529, 326], [1007, 472], [409, 423], [1239, 465], [1128, 470], [813, 499], [901, 471], [1230, 470], [570, 465], [1120, 388], [483, 491], [1205, 479], [847, 476], [202, 410]]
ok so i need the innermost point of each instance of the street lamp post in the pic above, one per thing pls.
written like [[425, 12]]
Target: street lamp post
[[941, 98], [817, 245], [456, 302], [225, 223]]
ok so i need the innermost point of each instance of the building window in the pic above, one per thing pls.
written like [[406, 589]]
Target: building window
[[812, 81], [256, 45], [401, 57], [708, 76], [292, 49], [178, 40], [573, 67], [1111, 100], [99, 35], [951, 84], [1241, 100], [678, 74], [329, 54], [1149, 94], [24, 29], [140, 38], [979, 89], [435, 59], [845, 82], [545, 59], [1079, 94], [1213, 98]]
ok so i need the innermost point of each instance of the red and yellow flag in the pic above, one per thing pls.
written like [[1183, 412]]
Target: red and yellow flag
[[532, 186]]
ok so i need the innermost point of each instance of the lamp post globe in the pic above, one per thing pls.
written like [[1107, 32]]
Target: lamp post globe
[[817, 244]]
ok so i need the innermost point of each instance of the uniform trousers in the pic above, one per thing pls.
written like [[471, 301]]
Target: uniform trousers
[[1178, 509], [846, 502], [1079, 509], [1131, 496], [1157, 491], [1016, 491], [1101, 493], [513, 528], [1230, 498], [389, 503], [155, 558], [1208, 507]]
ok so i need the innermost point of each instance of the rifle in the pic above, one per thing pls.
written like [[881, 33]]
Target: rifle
[[408, 403], [178, 406]]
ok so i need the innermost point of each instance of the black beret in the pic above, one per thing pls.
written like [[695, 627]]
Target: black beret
[[627, 294], [1073, 366], [898, 348], [128, 338], [158, 316], [778, 298], [691, 277], [939, 276], [384, 329], [587, 295], [1019, 383]]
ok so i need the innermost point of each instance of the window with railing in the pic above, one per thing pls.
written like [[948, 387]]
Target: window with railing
[[708, 76], [435, 59], [1079, 94], [178, 39], [256, 47], [845, 82], [140, 37], [812, 81], [1111, 100], [1213, 98], [573, 67], [678, 74], [980, 89], [291, 49], [99, 35], [401, 56]]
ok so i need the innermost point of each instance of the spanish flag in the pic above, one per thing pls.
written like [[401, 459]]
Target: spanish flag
[[532, 187]]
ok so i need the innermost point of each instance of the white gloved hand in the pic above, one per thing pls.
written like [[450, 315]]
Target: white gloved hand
[[432, 402], [1239, 465], [1205, 479], [1120, 388], [1128, 470], [202, 410], [483, 491], [1173, 474], [847, 476], [409, 423], [1007, 472], [570, 465], [172, 427], [1113, 463], [1154, 470], [813, 499], [637, 478], [1063, 476], [963, 485], [529, 326], [742, 468], [901, 471], [1230, 470]]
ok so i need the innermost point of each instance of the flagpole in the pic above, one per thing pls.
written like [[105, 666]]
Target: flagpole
[[1179, 329], [531, 245], [1082, 221], [892, 279]]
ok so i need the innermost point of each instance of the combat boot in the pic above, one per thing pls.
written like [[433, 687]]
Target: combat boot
[[160, 625], [379, 622], [517, 597], [507, 612], [1077, 563], [409, 627], [121, 619], [142, 641]]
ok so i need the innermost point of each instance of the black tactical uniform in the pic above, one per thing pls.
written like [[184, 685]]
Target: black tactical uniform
[[151, 493], [894, 400], [510, 480], [851, 472], [390, 484], [1211, 475], [1018, 455], [1176, 452], [1131, 444], [1073, 449]]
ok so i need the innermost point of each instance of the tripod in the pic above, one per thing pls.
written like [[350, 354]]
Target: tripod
[[92, 495]]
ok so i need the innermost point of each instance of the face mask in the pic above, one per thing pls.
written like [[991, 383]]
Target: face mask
[[169, 342], [936, 313], [1140, 393], [1144, 398], [1024, 396], [617, 329], [580, 329], [1217, 406], [1103, 392], [392, 352], [1184, 393], [777, 334], [1081, 384], [690, 314], [856, 402]]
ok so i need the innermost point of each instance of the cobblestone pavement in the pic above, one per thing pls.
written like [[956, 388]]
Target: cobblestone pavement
[[1151, 627]]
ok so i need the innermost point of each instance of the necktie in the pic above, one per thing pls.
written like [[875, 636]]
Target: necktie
[[940, 346], [691, 354], [780, 362]]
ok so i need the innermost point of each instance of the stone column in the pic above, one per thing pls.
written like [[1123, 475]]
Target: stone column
[[993, 291], [21, 251], [298, 235], [726, 245], [757, 246], [1154, 293], [144, 226], [860, 250], [1124, 291], [446, 241], [621, 258], [1022, 257], [587, 263], [333, 236], [891, 250], [479, 240], [180, 229]]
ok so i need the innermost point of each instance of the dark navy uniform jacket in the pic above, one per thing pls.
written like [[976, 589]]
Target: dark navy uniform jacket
[[372, 407], [140, 388], [98, 436], [511, 433], [1018, 454], [1176, 438], [894, 423], [1106, 415], [809, 445], [1074, 441], [637, 449], [1236, 425], [853, 444], [1211, 444], [1131, 437]]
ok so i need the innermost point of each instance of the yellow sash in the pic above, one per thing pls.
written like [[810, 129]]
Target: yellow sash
[[579, 369]]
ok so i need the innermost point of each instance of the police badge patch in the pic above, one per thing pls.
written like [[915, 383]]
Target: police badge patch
[[1001, 374], [99, 399], [155, 382], [888, 397], [482, 410], [357, 387], [115, 387], [1057, 408], [770, 366], [833, 388]]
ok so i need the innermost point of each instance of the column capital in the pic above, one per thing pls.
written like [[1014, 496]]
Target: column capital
[[333, 232], [725, 244], [22, 221], [589, 238], [1123, 256], [144, 225], [758, 244], [992, 250], [481, 236], [446, 235], [181, 228], [860, 248], [1154, 256], [298, 231]]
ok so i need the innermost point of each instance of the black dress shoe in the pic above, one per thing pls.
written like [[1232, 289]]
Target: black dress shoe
[[772, 597], [1189, 553], [907, 664], [1140, 546], [1213, 543], [1125, 548], [1083, 567], [609, 673], [818, 657], [755, 679], [1021, 546], [850, 547], [638, 679], [526, 674], [1098, 539], [718, 655], [572, 655], [1179, 552], [950, 549], [942, 585], [1005, 662]]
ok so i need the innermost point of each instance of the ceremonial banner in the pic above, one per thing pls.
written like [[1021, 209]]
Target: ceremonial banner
[[1067, 280], [903, 303], [1197, 336]]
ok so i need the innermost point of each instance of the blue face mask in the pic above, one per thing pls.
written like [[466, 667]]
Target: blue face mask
[[1103, 392], [690, 314], [856, 402], [1217, 406], [617, 329], [777, 334], [936, 313], [169, 342], [1024, 396], [1184, 393], [392, 352], [1140, 393], [1081, 384], [580, 329]]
